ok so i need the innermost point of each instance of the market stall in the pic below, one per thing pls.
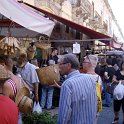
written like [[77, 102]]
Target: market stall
[[19, 22]]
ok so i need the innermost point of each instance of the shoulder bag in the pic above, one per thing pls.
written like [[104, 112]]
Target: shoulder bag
[[98, 93], [110, 87]]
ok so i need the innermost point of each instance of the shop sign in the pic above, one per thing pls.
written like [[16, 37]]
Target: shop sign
[[76, 48]]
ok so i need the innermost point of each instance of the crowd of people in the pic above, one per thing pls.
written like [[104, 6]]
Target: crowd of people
[[111, 70], [78, 103]]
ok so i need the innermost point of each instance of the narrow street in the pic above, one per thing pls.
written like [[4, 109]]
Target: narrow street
[[106, 116]]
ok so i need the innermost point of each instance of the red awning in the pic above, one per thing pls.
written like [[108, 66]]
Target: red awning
[[91, 33]]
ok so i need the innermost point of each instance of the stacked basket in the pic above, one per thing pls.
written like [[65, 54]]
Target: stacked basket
[[9, 45]]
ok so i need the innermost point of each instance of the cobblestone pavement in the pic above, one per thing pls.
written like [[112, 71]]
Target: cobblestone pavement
[[106, 116]]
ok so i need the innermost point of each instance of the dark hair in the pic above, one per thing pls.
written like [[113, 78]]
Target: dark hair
[[7, 60], [4, 59], [119, 56], [121, 65], [109, 61], [114, 61], [65, 53], [14, 70], [32, 44], [72, 59]]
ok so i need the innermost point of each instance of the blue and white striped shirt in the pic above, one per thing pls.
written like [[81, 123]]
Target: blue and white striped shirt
[[78, 102]]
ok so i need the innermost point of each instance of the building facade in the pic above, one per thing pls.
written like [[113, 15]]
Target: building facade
[[93, 14]]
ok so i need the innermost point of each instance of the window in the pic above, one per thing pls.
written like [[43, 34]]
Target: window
[[67, 29]]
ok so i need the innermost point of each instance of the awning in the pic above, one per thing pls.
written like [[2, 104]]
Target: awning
[[15, 29], [108, 40], [116, 52], [122, 48], [89, 32], [116, 45], [26, 17]]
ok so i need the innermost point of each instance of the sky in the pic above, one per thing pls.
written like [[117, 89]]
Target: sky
[[118, 10]]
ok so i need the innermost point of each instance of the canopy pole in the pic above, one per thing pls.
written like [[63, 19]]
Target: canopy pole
[[105, 39]]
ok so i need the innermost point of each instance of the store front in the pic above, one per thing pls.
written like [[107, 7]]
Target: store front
[[66, 33]]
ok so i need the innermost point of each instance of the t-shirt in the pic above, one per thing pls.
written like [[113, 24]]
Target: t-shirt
[[8, 111], [29, 75], [97, 78], [119, 75], [111, 72], [102, 70], [38, 53]]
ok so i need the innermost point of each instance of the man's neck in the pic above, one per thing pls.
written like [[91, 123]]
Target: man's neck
[[71, 71], [91, 71], [53, 54]]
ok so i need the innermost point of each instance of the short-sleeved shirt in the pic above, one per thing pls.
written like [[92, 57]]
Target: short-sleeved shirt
[[119, 76], [102, 70], [8, 111], [29, 75], [111, 72], [38, 53], [97, 78]]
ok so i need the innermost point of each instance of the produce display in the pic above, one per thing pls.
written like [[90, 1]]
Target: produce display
[[9, 45]]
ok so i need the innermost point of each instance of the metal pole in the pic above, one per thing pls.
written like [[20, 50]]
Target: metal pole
[[105, 39]]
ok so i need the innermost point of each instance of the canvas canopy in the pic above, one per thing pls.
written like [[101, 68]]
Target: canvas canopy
[[26, 17]]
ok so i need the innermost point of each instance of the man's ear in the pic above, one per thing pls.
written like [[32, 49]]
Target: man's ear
[[69, 65]]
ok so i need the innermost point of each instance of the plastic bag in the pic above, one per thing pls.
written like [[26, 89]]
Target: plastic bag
[[37, 108], [119, 92]]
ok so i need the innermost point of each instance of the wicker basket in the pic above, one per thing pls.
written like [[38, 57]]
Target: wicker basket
[[48, 74]]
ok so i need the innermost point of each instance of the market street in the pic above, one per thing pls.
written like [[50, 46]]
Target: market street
[[106, 117]]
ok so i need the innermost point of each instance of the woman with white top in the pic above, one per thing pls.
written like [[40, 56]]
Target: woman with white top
[[89, 64]]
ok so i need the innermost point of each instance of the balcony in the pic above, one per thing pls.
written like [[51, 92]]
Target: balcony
[[52, 5]]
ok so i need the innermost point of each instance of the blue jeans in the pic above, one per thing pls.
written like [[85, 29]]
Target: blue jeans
[[107, 95], [20, 118], [47, 96]]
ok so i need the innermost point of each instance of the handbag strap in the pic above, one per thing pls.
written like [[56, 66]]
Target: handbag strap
[[97, 79], [111, 83]]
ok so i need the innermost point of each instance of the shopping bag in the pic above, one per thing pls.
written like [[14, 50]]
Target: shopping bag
[[99, 100], [119, 92], [37, 108]]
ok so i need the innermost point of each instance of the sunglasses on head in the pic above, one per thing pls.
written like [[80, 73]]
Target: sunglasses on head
[[87, 58]]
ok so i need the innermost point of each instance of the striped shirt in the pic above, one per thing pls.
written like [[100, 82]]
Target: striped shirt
[[78, 103], [14, 88]]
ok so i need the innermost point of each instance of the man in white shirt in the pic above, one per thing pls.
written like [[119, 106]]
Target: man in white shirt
[[29, 74]]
